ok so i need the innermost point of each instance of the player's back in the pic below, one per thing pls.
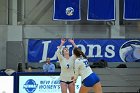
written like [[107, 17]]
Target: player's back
[[83, 66]]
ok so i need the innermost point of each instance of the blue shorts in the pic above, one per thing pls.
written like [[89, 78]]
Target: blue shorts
[[91, 80]]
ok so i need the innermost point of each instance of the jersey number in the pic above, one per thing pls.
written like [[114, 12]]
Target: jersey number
[[86, 63], [68, 66]]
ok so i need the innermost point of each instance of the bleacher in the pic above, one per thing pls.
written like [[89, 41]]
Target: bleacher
[[119, 80]]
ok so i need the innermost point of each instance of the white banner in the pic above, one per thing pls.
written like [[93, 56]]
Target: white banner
[[6, 84], [42, 84]]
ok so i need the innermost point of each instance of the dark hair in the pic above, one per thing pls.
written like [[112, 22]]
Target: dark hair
[[77, 51]]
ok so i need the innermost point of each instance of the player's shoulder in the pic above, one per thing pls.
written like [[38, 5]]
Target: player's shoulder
[[77, 60]]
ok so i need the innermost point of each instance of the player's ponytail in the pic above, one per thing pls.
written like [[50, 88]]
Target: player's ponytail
[[83, 55]]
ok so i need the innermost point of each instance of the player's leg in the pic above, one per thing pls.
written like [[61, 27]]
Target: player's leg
[[97, 88], [71, 87], [63, 87], [84, 89]]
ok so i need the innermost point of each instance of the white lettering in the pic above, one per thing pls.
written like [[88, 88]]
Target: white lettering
[[98, 51], [45, 50], [91, 48], [110, 50], [90, 52], [30, 86]]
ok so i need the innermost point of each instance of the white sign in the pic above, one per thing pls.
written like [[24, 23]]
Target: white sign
[[42, 84], [6, 84]]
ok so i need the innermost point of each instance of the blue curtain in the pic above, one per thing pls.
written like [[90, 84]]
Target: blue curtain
[[131, 9], [101, 10], [66, 10]]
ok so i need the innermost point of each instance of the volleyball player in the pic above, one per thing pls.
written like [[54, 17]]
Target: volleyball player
[[67, 65], [89, 78]]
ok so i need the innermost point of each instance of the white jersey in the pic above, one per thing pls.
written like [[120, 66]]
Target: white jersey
[[82, 68], [67, 66]]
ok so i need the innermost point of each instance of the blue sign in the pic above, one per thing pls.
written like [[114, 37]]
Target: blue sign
[[131, 10], [30, 86], [101, 10], [67, 10], [111, 50]]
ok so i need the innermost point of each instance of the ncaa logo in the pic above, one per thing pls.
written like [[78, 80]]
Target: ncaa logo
[[130, 51], [30, 86], [69, 11]]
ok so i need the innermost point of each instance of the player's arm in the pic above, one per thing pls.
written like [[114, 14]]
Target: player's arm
[[76, 70], [72, 42], [58, 52]]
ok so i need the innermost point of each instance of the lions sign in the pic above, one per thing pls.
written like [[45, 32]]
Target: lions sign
[[111, 50]]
